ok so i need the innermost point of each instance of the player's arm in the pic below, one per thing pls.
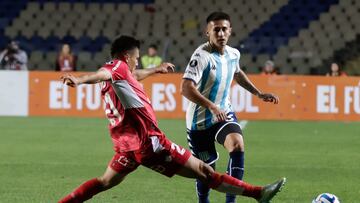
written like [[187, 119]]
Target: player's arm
[[241, 78], [92, 78], [189, 90], [165, 67]]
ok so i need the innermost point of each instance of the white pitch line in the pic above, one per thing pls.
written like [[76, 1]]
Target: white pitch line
[[243, 124]]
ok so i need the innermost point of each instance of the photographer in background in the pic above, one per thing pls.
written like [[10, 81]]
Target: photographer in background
[[13, 58]]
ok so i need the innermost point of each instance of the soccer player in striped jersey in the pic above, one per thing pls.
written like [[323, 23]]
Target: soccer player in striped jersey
[[210, 117], [136, 136]]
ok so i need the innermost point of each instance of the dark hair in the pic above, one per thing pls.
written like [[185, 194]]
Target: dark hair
[[122, 44], [218, 15], [153, 46], [13, 47]]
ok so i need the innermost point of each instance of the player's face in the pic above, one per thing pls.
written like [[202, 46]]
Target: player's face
[[66, 49], [219, 32], [269, 69], [152, 51], [133, 59], [334, 67]]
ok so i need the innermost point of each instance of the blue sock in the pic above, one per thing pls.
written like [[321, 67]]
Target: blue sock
[[203, 190], [235, 169]]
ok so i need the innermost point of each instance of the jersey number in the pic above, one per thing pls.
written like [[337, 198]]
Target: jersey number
[[111, 112], [230, 117], [179, 149]]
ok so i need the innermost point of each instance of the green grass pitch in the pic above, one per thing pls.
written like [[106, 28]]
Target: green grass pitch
[[43, 159]]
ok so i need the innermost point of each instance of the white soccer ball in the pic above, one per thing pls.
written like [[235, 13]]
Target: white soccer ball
[[326, 198]]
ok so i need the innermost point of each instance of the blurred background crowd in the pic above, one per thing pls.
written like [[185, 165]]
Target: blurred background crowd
[[305, 37]]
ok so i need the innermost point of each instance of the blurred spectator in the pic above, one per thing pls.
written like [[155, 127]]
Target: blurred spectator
[[65, 61], [13, 58], [151, 60], [335, 71], [269, 68]]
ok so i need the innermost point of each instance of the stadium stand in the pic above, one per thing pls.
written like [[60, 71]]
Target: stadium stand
[[321, 39], [299, 35], [348, 58]]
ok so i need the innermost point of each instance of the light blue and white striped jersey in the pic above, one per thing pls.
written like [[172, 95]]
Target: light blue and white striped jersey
[[212, 73]]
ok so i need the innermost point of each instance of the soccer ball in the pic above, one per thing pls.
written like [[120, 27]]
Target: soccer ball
[[326, 198]]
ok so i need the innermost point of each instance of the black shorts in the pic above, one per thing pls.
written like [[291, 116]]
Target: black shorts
[[202, 142]]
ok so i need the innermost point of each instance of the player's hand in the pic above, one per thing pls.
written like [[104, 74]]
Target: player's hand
[[268, 97], [219, 114], [165, 68], [70, 80]]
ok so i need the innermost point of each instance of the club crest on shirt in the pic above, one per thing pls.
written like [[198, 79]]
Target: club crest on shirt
[[193, 63]]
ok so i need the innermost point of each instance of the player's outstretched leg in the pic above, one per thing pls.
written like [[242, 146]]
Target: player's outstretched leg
[[92, 187], [194, 168]]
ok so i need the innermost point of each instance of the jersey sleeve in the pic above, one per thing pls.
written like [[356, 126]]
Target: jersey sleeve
[[194, 70], [118, 69], [237, 68]]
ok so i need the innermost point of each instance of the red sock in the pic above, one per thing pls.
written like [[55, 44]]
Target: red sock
[[83, 192], [249, 190]]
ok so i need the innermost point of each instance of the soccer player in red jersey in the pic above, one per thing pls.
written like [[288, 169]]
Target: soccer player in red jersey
[[136, 136]]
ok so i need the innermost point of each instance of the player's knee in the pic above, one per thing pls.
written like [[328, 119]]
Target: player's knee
[[236, 147], [108, 183], [104, 182], [234, 143]]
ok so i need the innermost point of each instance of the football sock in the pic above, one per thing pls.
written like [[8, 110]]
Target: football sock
[[235, 169], [228, 184], [84, 192], [203, 190]]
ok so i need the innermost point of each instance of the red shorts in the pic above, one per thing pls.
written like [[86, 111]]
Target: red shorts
[[159, 154]]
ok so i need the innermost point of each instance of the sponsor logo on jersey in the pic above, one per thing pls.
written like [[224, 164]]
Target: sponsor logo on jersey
[[193, 63], [191, 73]]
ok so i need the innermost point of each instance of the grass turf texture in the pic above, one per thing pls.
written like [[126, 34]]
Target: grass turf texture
[[43, 159]]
